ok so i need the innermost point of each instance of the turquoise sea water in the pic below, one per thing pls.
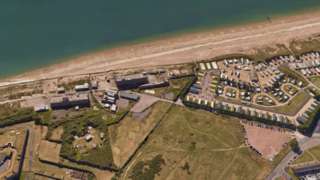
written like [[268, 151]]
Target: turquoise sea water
[[34, 33]]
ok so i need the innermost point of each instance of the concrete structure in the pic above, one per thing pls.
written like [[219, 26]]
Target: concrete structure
[[129, 95], [154, 85], [94, 84], [64, 102], [61, 90], [41, 108], [307, 170], [131, 81], [82, 87]]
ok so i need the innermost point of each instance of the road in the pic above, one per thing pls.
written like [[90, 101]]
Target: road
[[305, 144]]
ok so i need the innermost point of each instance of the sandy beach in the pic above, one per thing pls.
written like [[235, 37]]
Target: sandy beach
[[184, 48]]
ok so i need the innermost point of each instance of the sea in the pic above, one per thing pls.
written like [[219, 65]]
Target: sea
[[36, 33]]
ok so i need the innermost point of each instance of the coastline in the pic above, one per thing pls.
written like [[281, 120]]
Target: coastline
[[120, 54]]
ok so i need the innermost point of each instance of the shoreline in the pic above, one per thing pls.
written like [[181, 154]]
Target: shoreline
[[111, 57]]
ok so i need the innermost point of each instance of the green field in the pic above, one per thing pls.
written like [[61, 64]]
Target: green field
[[127, 135], [174, 89], [315, 80], [195, 144], [294, 105], [11, 114], [311, 155]]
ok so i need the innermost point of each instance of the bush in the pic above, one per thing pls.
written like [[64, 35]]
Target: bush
[[148, 169], [100, 157]]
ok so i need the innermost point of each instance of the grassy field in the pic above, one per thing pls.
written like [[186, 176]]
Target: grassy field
[[311, 155], [195, 144], [11, 114], [278, 158], [302, 46], [315, 80], [295, 47], [19, 90], [174, 89], [293, 74], [132, 130], [294, 105]]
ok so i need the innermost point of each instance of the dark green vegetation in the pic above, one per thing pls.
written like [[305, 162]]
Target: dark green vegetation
[[100, 156], [49, 36], [294, 145], [75, 123], [11, 114], [55, 119], [195, 144], [148, 169]]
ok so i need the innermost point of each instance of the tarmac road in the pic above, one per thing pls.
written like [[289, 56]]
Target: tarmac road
[[305, 144]]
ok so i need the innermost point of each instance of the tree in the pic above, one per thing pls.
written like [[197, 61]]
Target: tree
[[295, 146]]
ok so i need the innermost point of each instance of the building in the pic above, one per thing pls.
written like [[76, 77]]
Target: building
[[81, 100], [82, 87], [307, 170], [61, 90], [59, 102], [154, 85], [65, 102], [41, 108], [131, 81], [94, 84], [129, 95]]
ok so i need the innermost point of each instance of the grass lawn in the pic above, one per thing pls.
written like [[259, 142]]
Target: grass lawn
[[293, 74], [195, 144], [278, 158], [11, 114], [310, 155], [294, 105], [127, 135], [302, 46], [315, 80]]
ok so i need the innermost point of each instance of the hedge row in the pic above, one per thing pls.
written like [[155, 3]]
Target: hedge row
[[22, 116]]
